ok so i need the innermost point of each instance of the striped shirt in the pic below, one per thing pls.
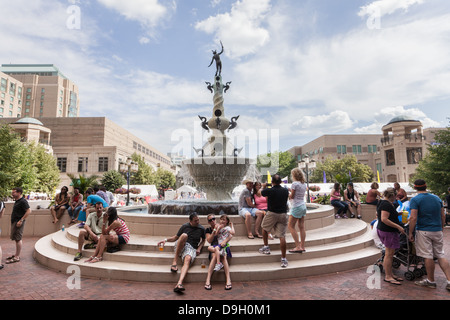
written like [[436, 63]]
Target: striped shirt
[[123, 230]]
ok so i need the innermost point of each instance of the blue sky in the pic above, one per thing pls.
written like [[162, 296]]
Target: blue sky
[[303, 67]]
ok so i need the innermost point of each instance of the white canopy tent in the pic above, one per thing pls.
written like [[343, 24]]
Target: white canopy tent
[[146, 191]]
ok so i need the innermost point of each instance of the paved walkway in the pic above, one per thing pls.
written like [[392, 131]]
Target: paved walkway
[[28, 280]]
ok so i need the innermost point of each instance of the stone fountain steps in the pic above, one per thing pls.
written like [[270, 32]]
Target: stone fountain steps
[[345, 245]]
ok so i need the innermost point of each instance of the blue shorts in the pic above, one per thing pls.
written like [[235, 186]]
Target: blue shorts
[[243, 212], [298, 212]]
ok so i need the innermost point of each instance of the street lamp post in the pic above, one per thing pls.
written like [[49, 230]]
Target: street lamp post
[[307, 164], [128, 167]]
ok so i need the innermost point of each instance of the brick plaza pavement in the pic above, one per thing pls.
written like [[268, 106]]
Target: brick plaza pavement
[[28, 280]]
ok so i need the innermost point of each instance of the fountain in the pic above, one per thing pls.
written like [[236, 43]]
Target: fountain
[[218, 168]]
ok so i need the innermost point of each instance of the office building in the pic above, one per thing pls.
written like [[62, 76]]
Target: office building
[[42, 91], [93, 146], [11, 93]]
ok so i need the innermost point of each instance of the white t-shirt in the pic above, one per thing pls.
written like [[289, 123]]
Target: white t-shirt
[[299, 197]]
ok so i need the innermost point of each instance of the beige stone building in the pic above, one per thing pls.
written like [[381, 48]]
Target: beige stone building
[[11, 94], [93, 146], [32, 130], [395, 153], [42, 91]]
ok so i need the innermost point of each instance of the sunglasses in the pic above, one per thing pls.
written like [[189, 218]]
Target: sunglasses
[[211, 219]]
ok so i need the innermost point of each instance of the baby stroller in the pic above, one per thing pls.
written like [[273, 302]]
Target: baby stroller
[[407, 257]]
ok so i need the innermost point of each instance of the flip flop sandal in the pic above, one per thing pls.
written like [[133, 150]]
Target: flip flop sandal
[[208, 287], [296, 251], [12, 260], [394, 282], [179, 288], [174, 268], [228, 287], [96, 259]]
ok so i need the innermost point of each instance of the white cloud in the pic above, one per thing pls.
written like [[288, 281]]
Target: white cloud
[[241, 29], [147, 12], [386, 7], [336, 121], [382, 117], [360, 70]]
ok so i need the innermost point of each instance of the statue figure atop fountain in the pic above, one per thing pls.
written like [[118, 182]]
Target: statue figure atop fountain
[[218, 168], [216, 57], [218, 144]]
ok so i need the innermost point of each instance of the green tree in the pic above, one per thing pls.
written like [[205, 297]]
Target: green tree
[[165, 178], [434, 167], [145, 175], [113, 180], [283, 161], [342, 170], [11, 155], [47, 172], [83, 182], [25, 165]]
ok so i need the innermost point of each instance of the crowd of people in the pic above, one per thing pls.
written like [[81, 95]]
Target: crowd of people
[[271, 210]]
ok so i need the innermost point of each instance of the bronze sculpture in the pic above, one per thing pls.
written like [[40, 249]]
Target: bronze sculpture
[[216, 57]]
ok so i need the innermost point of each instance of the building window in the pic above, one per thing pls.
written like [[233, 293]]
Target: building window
[[390, 157], [342, 149], [82, 164], [357, 149], [62, 164], [414, 155], [3, 85], [103, 164], [372, 149]]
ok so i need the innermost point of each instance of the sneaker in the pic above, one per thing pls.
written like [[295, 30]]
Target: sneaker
[[264, 250], [426, 283], [218, 266], [78, 256], [284, 263], [90, 246]]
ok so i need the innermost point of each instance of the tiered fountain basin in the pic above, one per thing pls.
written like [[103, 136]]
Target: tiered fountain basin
[[332, 246]]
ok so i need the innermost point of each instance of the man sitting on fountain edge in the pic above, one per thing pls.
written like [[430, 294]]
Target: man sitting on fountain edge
[[189, 243]]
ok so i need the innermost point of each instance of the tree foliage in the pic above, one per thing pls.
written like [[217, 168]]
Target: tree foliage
[[113, 180], [434, 167], [83, 182], [25, 165], [47, 172], [165, 178], [146, 175], [277, 162], [342, 171]]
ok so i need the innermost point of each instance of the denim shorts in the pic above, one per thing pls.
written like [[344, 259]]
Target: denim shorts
[[298, 212], [121, 239], [252, 211]]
